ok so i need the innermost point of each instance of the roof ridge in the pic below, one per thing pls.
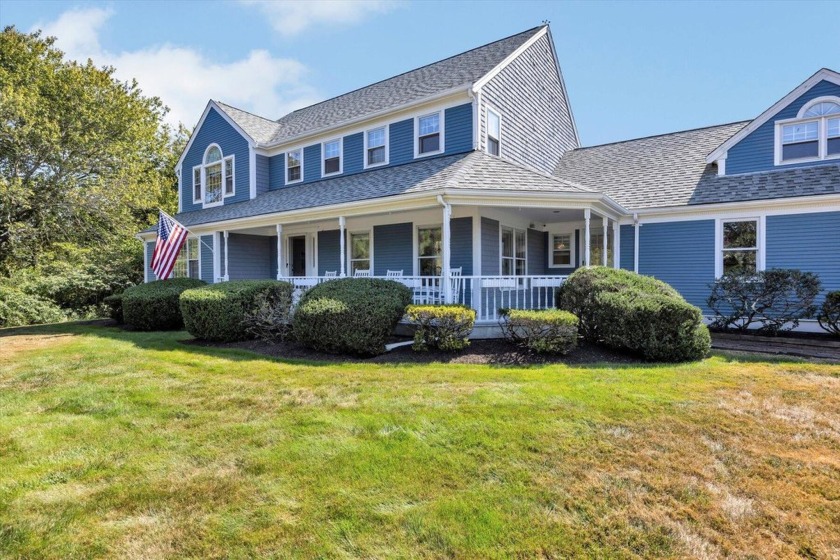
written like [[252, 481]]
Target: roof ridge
[[228, 105], [744, 122], [412, 70]]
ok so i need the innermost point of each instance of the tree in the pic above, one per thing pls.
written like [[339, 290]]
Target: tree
[[84, 158]]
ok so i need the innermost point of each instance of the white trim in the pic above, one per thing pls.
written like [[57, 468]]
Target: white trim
[[200, 184], [721, 166], [514, 258], [365, 164], [563, 86], [441, 134], [616, 244], [221, 163], [145, 261], [179, 173], [476, 241], [212, 105], [760, 237], [636, 227], [278, 228], [572, 248], [416, 242], [340, 141], [822, 137], [822, 74], [252, 173], [217, 265], [823, 99], [349, 233], [487, 111], [587, 245], [508, 59], [286, 166], [226, 277]]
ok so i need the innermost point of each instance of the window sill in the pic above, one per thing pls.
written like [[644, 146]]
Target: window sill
[[375, 165], [428, 154], [833, 157]]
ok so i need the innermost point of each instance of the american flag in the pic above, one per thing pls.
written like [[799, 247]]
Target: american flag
[[171, 235]]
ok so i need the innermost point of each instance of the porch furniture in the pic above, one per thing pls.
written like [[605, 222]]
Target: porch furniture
[[362, 273], [330, 274], [393, 274]]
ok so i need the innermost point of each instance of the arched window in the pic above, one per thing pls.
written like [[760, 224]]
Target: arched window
[[813, 135], [214, 180]]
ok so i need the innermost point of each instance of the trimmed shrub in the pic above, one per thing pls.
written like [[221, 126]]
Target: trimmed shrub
[[20, 309], [350, 315], [155, 306], [217, 312], [445, 327], [114, 305], [579, 292], [658, 327], [776, 299], [546, 331], [829, 315]]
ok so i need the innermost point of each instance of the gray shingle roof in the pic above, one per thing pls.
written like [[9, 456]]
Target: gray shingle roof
[[472, 170], [460, 70], [671, 170]]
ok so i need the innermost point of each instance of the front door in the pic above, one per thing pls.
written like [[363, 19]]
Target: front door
[[297, 250]]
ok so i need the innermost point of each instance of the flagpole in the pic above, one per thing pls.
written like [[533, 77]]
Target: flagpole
[[187, 230]]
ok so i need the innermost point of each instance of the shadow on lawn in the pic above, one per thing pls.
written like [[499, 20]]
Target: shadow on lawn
[[494, 353]]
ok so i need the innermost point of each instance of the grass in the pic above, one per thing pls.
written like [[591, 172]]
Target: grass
[[131, 445]]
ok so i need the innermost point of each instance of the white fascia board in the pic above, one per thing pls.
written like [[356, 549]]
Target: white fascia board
[[333, 130], [510, 58], [212, 105], [822, 74], [563, 86]]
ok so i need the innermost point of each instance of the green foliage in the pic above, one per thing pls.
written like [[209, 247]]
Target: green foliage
[[217, 312], [270, 319], [578, 293], [829, 315], [546, 331], [656, 326], [776, 299], [155, 306], [114, 305], [445, 327], [350, 315], [19, 309]]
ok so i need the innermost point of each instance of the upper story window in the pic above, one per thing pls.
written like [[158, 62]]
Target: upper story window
[[494, 132], [513, 251], [428, 134], [215, 178], [294, 166], [331, 164], [376, 146], [813, 135]]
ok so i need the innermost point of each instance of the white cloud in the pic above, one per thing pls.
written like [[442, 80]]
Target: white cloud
[[184, 78], [291, 17]]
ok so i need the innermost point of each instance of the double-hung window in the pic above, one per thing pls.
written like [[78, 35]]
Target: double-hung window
[[428, 131], [513, 251], [561, 250], [332, 158], [813, 135], [186, 265], [494, 133], [429, 245], [359, 251], [376, 146], [739, 246], [214, 179], [294, 166]]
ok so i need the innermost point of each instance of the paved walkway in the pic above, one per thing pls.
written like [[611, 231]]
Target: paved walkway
[[818, 347]]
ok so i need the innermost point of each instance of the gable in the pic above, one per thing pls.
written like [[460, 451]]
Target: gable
[[756, 151]]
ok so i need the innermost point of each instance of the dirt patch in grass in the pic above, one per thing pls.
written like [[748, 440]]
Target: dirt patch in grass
[[498, 352]]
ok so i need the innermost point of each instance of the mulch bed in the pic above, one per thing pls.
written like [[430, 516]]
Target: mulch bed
[[498, 352], [804, 345]]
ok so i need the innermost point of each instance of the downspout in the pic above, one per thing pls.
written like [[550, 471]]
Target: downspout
[[447, 216], [636, 243]]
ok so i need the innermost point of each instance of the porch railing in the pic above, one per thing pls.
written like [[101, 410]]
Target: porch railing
[[485, 294]]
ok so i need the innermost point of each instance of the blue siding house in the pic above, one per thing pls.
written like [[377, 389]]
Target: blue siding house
[[465, 180]]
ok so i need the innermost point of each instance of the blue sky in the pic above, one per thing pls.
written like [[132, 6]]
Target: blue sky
[[632, 69]]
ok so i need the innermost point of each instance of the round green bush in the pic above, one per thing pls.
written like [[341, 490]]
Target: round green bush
[[113, 304], [19, 309], [217, 312], [350, 315], [154, 306]]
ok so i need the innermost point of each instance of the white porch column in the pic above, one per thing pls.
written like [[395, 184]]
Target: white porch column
[[616, 241], [587, 214], [447, 284], [604, 258], [226, 277], [342, 223], [279, 251]]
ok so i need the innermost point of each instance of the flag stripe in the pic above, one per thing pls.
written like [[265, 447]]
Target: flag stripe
[[171, 236]]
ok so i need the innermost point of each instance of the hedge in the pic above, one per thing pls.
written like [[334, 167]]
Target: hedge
[[217, 312], [114, 305], [350, 315], [445, 327], [155, 306], [551, 331], [19, 309], [578, 293]]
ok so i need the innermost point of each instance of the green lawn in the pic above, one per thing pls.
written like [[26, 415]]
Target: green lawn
[[126, 445]]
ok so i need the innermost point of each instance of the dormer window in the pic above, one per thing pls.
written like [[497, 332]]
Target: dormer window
[[428, 137], [376, 146], [814, 135], [215, 178], [294, 166], [332, 158]]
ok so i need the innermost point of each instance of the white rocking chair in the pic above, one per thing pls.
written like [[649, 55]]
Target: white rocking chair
[[362, 273]]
